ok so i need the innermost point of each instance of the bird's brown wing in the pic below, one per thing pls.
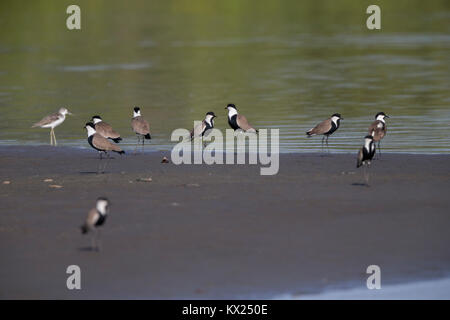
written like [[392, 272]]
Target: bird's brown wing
[[243, 123], [377, 130], [106, 130], [198, 129], [102, 143], [140, 125], [47, 120], [92, 217], [321, 128]]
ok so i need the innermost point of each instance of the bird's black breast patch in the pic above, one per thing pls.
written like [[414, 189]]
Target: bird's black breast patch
[[233, 122]]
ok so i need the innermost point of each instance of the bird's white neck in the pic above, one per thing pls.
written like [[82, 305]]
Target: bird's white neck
[[367, 143], [90, 131], [210, 120], [96, 120], [231, 112], [334, 119], [136, 114], [101, 207], [381, 118]]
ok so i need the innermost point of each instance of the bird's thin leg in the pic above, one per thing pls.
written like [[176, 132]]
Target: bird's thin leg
[[323, 138], [328, 149], [93, 245], [51, 137], [143, 141], [99, 240], [137, 144], [106, 162], [379, 150], [54, 137], [99, 164]]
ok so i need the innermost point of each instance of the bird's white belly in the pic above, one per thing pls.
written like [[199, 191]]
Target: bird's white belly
[[54, 123]]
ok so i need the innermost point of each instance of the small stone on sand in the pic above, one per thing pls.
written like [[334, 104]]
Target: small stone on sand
[[55, 186], [6, 182], [165, 160], [48, 180], [144, 179]]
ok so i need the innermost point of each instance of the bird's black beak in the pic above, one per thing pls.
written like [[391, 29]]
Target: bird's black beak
[[342, 118], [226, 108], [386, 116]]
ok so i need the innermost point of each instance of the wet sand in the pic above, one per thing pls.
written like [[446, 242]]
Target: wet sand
[[220, 231]]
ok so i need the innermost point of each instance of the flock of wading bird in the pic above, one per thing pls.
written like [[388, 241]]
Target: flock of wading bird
[[101, 136]]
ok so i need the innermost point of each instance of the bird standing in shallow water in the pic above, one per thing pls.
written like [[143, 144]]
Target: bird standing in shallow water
[[378, 129], [101, 144], [326, 128], [105, 130], [52, 121], [140, 127], [365, 156], [96, 217], [238, 121]]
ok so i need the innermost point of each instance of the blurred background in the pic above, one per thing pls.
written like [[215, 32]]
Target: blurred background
[[285, 64]]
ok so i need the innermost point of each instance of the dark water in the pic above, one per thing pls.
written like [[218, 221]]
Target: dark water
[[285, 64]]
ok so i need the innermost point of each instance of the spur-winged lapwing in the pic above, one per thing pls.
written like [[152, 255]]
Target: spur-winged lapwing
[[203, 129], [96, 217], [365, 156], [51, 121], [101, 144], [238, 121], [140, 127], [326, 128], [105, 130], [378, 129]]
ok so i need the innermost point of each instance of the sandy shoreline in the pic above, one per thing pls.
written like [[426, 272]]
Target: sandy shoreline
[[220, 231]]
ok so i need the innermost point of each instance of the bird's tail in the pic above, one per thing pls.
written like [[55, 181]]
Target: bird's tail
[[84, 228], [309, 133], [147, 136], [117, 140], [121, 152]]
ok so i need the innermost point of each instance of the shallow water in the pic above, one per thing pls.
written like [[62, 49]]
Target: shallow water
[[285, 65]]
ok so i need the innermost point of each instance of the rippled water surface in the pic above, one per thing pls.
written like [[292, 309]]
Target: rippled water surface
[[286, 65]]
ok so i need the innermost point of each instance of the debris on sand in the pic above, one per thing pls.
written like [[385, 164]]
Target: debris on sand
[[192, 185], [48, 180], [55, 186], [6, 182], [144, 179], [165, 160]]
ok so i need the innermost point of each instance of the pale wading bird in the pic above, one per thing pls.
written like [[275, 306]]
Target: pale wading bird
[[140, 127], [52, 121], [238, 121], [378, 129], [365, 156], [326, 128], [204, 128], [101, 144], [96, 217], [105, 130]]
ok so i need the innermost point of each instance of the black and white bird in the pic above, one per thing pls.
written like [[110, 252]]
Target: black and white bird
[[101, 144], [105, 130], [238, 121], [96, 217], [365, 156], [52, 121], [204, 128], [326, 128], [140, 127], [378, 129]]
